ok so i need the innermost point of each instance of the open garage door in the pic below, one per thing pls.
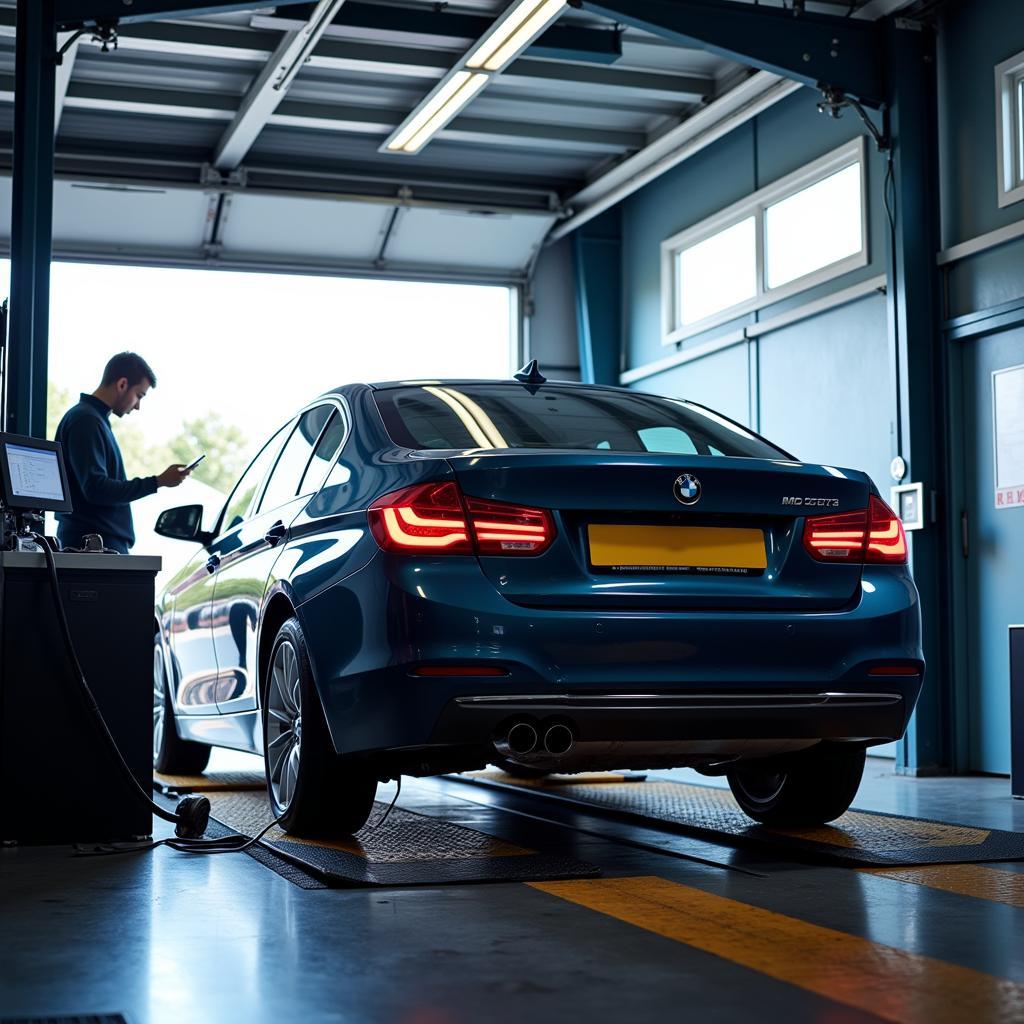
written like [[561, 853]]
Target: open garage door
[[141, 223]]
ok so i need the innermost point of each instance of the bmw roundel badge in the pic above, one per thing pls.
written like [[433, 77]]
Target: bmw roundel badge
[[687, 489]]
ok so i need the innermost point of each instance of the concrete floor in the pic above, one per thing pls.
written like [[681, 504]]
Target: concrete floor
[[161, 937]]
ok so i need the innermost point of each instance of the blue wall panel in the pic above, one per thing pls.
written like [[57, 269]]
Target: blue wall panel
[[721, 381], [719, 175], [973, 38], [986, 279], [825, 388]]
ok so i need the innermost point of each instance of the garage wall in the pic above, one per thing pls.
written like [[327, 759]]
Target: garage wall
[[983, 295], [973, 38], [551, 324], [819, 387]]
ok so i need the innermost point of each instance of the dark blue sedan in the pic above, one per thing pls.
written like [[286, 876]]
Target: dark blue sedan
[[428, 576]]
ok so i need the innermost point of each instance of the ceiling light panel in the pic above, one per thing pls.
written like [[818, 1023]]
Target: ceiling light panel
[[512, 33]]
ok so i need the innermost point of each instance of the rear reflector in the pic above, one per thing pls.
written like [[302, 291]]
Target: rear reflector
[[436, 518], [460, 670], [894, 670], [873, 534]]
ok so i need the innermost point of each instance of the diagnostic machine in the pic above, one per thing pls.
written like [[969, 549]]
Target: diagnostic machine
[[65, 618]]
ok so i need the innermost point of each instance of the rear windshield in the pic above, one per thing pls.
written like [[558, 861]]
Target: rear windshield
[[465, 416]]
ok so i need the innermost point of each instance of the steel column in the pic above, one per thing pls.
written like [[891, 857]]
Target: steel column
[[914, 333], [597, 263], [31, 215]]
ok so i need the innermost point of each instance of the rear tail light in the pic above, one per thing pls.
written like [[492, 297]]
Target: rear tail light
[[437, 518], [873, 534], [894, 670], [501, 529], [887, 542], [426, 518]]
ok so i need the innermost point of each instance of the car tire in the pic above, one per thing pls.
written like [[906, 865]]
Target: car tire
[[171, 754], [519, 771], [810, 788], [312, 791]]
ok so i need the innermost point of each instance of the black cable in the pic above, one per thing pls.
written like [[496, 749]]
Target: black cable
[[224, 844], [398, 792], [192, 814]]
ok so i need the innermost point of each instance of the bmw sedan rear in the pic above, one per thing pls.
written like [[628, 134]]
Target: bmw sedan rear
[[573, 578], [564, 577]]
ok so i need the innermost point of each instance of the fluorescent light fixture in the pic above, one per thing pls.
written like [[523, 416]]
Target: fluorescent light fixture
[[522, 23], [501, 44], [438, 109]]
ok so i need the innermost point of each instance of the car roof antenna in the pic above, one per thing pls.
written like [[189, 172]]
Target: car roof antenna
[[530, 374]]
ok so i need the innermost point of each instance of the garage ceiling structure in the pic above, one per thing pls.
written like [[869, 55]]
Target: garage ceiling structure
[[175, 148]]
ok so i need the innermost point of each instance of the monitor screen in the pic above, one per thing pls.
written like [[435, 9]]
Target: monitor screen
[[35, 473], [32, 475]]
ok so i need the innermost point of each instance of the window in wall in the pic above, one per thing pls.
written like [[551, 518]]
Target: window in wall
[[703, 289], [816, 227], [798, 232], [1010, 129]]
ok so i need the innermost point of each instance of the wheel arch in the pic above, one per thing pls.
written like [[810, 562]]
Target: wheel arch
[[278, 609]]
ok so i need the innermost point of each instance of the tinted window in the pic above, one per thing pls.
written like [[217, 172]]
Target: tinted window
[[557, 416], [241, 499], [326, 449], [284, 481]]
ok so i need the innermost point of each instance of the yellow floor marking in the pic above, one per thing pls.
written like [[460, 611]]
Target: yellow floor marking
[[890, 983], [966, 879], [213, 781]]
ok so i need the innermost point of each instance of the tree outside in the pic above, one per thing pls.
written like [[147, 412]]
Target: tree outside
[[225, 445]]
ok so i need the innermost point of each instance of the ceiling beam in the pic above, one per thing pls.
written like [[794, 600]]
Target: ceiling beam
[[340, 118], [76, 14], [874, 9], [454, 30], [814, 49], [270, 86], [364, 56]]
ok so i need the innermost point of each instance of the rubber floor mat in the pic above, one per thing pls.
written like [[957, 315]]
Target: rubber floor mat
[[211, 782], [857, 838], [402, 850]]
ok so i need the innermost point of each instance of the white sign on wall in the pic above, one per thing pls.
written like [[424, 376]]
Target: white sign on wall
[[1008, 435]]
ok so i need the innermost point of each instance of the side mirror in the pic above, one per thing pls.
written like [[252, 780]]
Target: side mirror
[[182, 523]]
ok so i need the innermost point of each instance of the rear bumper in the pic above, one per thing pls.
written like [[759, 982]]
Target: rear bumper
[[699, 716], [771, 673]]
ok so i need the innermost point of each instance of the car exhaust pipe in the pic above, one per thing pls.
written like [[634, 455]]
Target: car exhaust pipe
[[521, 739], [558, 739]]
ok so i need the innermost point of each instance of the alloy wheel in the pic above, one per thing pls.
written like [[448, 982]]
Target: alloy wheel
[[159, 700], [284, 725]]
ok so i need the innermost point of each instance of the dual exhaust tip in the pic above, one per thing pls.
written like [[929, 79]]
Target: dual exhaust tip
[[523, 738]]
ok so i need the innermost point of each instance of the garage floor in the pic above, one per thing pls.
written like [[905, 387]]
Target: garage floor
[[166, 938]]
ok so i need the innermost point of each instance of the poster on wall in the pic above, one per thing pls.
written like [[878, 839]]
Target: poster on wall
[[1008, 433]]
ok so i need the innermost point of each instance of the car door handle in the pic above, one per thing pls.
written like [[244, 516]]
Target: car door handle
[[276, 534], [212, 563]]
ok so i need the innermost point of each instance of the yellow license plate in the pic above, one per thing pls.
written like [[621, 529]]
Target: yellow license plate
[[635, 548]]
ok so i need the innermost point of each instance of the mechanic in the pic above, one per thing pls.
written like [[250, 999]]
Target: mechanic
[[100, 492]]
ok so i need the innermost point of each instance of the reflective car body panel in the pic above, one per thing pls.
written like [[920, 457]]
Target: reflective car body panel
[[561, 629]]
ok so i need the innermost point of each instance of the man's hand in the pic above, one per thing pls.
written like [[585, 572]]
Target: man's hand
[[173, 475]]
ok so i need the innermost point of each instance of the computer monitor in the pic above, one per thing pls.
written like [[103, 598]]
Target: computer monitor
[[32, 475]]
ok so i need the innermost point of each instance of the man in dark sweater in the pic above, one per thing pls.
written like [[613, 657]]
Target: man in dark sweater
[[100, 493]]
